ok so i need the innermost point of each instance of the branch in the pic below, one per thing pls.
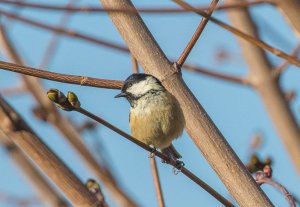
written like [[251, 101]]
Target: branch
[[70, 33], [214, 74], [63, 78], [196, 34], [157, 184], [135, 65], [263, 81], [200, 127], [36, 179], [53, 43], [90, 9], [71, 103], [69, 131], [264, 177], [280, 68], [242, 35], [95, 189], [103, 83], [21, 134], [290, 10]]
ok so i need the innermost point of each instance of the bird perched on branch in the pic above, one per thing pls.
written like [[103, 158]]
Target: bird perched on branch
[[155, 114]]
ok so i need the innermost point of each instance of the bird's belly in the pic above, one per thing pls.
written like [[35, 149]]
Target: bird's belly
[[157, 127]]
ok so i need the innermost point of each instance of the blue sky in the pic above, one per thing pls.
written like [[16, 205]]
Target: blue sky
[[236, 110]]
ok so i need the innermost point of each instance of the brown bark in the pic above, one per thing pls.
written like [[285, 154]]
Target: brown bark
[[65, 127], [291, 11], [35, 178], [266, 84], [20, 133], [200, 127], [157, 183]]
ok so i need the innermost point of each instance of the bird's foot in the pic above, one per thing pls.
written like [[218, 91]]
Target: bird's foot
[[152, 152], [178, 167]]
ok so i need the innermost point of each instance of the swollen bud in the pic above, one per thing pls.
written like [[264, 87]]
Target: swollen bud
[[59, 99], [73, 99], [92, 185]]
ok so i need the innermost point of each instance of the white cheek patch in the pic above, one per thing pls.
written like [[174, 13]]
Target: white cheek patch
[[144, 86]]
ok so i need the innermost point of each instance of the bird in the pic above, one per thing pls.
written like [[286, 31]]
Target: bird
[[156, 117]]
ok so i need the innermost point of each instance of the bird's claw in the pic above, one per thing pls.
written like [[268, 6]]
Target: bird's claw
[[152, 152], [178, 167]]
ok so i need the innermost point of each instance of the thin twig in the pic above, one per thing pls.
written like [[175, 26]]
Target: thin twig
[[242, 35], [63, 31], [71, 79], [89, 9], [135, 65], [261, 178], [196, 34], [157, 184], [214, 74], [166, 159], [280, 68]]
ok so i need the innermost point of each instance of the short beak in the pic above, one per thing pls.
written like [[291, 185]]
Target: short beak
[[121, 95]]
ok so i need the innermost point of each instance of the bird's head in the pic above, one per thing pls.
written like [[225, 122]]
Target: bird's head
[[138, 85]]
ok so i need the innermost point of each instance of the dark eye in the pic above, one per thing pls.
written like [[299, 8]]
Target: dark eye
[[129, 85]]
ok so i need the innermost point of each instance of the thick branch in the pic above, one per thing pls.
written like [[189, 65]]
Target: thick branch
[[67, 129], [36, 179], [291, 11], [20, 133], [200, 127], [267, 86]]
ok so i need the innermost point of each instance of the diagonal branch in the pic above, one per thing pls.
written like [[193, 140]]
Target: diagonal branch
[[36, 179], [242, 35], [290, 10], [174, 163], [199, 125], [53, 43], [196, 34], [267, 86], [280, 68], [70, 33], [22, 135], [69, 131]]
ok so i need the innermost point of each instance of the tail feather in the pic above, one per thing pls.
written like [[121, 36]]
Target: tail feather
[[171, 152]]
